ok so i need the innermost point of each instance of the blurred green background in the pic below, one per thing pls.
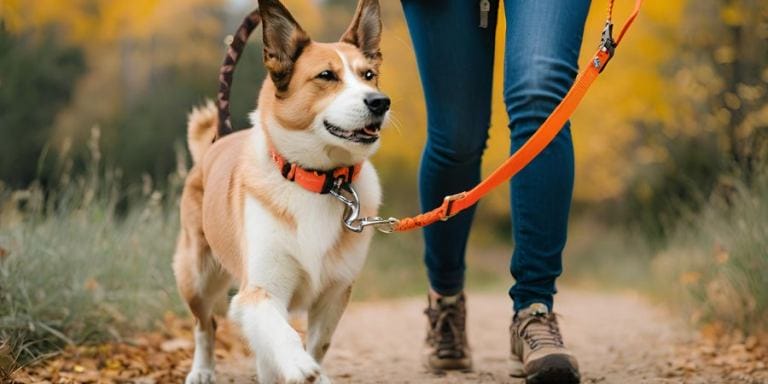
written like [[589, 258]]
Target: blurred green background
[[671, 144]]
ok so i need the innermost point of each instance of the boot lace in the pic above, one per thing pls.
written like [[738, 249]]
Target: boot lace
[[447, 323], [541, 330]]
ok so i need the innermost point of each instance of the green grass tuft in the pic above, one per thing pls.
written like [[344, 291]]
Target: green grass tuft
[[84, 275], [712, 267], [77, 266], [716, 265]]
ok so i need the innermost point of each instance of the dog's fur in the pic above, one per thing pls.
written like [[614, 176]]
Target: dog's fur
[[243, 222]]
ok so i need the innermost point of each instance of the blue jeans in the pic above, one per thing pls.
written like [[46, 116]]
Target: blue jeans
[[455, 59]]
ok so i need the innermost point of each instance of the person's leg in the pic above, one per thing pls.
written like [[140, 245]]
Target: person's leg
[[455, 59], [542, 49], [543, 39]]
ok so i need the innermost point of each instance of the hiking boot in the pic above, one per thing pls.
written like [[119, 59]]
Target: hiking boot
[[537, 343], [446, 344]]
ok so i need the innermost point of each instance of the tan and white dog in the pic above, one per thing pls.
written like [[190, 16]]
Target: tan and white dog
[[245, 221]]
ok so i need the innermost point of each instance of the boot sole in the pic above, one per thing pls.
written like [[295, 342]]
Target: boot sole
[[443, 365], [555, 371]]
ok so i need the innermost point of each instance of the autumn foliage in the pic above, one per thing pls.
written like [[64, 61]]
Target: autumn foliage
[[671, 148]]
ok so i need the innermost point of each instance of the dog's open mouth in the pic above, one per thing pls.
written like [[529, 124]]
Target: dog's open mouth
[[366, 135]]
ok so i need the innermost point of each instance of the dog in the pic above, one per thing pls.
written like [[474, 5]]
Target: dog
[[251, 215]]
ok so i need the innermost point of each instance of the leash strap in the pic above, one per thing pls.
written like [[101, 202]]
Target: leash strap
[[454, 204]]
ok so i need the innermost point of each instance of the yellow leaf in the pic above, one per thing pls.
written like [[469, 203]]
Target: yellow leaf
[[113, 364], [732, 14], [689, 278]]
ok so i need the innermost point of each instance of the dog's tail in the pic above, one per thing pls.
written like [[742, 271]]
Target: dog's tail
[[201, 129]]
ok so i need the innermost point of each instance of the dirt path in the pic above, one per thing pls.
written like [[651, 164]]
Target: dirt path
[[618, 338]]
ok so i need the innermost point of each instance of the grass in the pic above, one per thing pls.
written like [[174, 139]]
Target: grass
[[83, 274], [77, 267], [599, 256], [712, 268], [716, 265]]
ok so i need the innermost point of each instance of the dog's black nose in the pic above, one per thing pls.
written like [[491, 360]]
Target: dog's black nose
[[377, 103]]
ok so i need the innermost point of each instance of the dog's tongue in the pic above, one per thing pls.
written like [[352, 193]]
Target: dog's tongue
[[371, 130]]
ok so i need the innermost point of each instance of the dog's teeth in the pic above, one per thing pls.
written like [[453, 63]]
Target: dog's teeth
[[365, 134]]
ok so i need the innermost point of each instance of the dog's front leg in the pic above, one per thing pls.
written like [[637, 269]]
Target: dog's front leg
[[280, 354], [324, 315]]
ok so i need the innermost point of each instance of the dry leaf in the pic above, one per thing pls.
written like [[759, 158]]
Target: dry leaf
[[158, 357]]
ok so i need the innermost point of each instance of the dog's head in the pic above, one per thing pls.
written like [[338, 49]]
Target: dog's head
[[321, 105]]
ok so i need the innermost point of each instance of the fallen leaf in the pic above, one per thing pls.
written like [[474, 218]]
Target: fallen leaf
[[176, 344]]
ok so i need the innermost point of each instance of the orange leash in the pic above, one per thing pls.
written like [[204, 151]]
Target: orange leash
[[454, 204]]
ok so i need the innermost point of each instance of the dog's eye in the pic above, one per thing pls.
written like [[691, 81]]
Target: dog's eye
[[327, 76], [369, 75]]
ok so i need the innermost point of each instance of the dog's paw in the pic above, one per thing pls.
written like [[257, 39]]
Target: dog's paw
[[201, 376], [299, 368], [324, 380]]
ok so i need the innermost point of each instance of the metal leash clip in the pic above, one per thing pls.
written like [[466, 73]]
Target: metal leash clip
[[607, 45], [352, 221]]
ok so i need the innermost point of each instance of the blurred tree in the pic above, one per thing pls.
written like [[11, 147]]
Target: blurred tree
[[718, 88], [37, 78], [81, 21], [145, 80], [723, 77], [149, 61]]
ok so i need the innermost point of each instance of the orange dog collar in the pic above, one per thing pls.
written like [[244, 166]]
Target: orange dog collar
[[313, 180]]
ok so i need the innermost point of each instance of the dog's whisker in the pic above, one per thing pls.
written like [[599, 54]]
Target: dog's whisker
[[396, 123]]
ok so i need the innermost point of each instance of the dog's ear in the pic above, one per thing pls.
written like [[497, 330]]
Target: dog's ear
[[284, 39], [365, 30]]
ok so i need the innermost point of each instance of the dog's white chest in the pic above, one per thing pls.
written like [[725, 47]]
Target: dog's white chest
[[306, 255]]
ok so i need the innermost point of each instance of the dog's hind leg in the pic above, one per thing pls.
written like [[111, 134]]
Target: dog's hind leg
[[201, 280], [202, 283]]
